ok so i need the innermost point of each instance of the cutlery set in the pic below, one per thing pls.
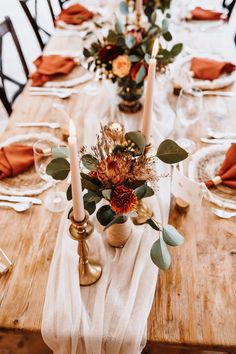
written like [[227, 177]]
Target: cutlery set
[[53, 91], [18, 203]]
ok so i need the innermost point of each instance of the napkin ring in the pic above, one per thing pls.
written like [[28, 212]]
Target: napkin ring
[[5, 263]]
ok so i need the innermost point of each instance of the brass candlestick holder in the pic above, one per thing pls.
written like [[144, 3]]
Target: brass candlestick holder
[[89, 270]]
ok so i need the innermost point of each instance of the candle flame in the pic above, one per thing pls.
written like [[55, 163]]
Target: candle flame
[[155, 48], [72, 128]]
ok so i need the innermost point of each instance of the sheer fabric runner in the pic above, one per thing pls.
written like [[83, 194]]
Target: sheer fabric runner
[[110, 316]]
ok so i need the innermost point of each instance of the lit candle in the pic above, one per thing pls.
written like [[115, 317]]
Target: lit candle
[[148, 104], [78, 205], [139, 6]]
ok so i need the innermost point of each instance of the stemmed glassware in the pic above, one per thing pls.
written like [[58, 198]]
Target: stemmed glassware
[[189, 110], [55, 201]]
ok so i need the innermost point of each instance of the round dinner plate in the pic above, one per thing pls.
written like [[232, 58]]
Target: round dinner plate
[[27, 183], [204, 166], [182, 76]]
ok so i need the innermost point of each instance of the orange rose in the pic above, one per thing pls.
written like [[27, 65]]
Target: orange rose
[[121, 66]]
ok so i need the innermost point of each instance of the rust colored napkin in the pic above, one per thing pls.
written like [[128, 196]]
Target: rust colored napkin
[[75, 15], [206, 15], [227, 172], [15, 159], [205, 69], [49, 67]]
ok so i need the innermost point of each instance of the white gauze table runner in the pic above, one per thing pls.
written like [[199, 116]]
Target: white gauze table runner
[[109, 317]]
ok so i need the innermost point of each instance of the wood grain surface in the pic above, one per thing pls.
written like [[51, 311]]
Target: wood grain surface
[[194, 305]]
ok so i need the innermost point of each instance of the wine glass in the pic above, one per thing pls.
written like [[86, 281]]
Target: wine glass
[[189, 110], [55, 201]]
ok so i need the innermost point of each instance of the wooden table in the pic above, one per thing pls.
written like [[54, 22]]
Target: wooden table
[[194, 306]]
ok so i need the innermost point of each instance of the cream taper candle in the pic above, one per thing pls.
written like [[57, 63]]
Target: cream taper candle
[[139, 6], [77, 196], [148, 103]]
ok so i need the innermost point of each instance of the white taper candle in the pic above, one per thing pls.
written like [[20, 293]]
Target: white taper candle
[[77, 196], [148, 103]]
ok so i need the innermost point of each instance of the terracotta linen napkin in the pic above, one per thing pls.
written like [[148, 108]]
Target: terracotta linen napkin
[[206, 15], [205, 69], [15, 159], [49, 67], [75, 15], [227, 172]]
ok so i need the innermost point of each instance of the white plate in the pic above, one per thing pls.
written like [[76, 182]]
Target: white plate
[[204, 166], [182, 76], [26, 183]]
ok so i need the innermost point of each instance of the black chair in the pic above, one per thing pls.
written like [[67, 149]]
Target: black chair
[[33, 19], [62, 2], [229, 5], [5, 28]]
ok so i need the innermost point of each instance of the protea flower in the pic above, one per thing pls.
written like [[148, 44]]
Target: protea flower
[[123, 200], [113, 169]]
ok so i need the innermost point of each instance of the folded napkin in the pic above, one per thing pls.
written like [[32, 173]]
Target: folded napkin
[[75, 15], [206, 15], [205, 69], [227, 172], [15, 159], [49, 67]]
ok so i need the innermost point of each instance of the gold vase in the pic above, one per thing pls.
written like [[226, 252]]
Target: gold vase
[[118, 234]]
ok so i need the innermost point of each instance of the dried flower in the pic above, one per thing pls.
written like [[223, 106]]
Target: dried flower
[[113, 169], [121, 66], [123, 200]]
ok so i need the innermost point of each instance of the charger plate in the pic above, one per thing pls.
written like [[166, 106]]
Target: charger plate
[[27, 183], [204, 166]]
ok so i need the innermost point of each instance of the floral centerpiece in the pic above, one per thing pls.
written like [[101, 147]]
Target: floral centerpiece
[[119, 172], [123, 57]]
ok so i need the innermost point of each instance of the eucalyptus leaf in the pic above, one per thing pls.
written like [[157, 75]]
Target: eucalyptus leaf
[[118, 219], [111, 38], [170, 152], [165, 25], [89, 183], [69, 193], [160, 254], [167, 36], [149, 192], [147, 58], [176, 49], [86, 53], [171, 236], [106, 194], [140, 74], [137, 138], [90, 162], [153, 17], [89, 206], [134, 58], [119, 27], [130, 41], [62, 151], [91, 196], [124, 8], [58, 168], [141, 191], [105, 215], [153, 224]]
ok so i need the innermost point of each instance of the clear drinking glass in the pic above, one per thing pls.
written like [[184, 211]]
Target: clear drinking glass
[[55, 201], [189, 110]]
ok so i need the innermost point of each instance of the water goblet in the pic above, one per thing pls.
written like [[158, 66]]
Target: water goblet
[[55, 201]]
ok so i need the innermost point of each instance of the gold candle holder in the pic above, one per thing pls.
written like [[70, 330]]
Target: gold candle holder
[[89, 270]]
